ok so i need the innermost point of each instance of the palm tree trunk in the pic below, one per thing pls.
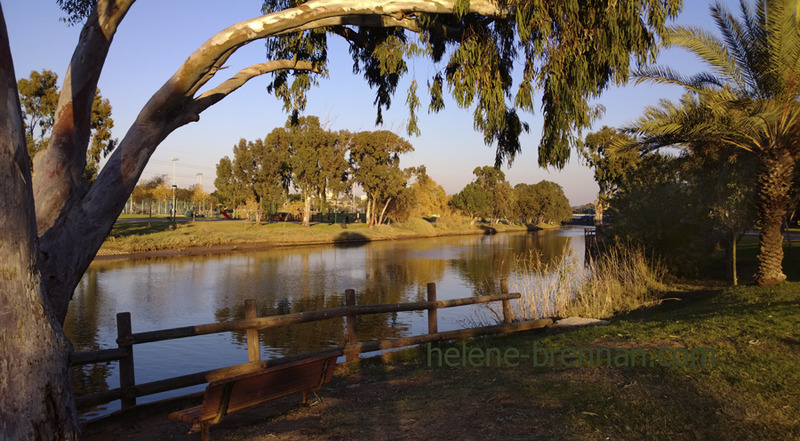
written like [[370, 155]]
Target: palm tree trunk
[[775, 175]]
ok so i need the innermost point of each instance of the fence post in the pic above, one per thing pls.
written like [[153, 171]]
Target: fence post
[[433, 321], [253, 346], [508, 314], [351, 337], [126, 374]]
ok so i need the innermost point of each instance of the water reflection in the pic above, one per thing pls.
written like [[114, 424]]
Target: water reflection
[[180, 291]]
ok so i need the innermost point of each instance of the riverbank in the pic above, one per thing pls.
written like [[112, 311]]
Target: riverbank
[[716, 362], [161, 238]]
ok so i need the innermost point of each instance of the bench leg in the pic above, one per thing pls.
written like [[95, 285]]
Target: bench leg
[[305, 398], [204, 432]]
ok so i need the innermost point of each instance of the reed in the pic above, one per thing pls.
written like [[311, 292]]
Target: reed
[[620, 280]]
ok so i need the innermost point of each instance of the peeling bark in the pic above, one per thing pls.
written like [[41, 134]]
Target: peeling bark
[[58, 183], [35, 391]]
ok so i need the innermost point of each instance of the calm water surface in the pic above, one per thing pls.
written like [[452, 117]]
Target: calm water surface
[[180, 291]]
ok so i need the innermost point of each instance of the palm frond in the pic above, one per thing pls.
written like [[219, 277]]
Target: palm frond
[[710, 49], [745, 50]]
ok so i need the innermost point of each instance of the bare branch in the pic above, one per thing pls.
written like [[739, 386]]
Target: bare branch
[[213, 96]]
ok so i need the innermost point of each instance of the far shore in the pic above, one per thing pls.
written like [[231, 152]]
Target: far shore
[[133, 238]]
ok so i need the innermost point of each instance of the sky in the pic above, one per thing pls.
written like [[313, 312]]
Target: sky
[[157, 36]]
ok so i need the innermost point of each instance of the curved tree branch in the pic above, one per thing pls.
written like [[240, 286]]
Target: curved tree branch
[[213, 96]]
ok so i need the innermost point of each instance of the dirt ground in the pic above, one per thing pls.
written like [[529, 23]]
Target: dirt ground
[[377, 402]]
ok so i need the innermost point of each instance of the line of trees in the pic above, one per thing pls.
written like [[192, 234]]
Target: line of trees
[[491, 197], [316, 162], [156, 192]]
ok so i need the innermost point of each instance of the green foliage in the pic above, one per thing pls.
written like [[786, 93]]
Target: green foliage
[[39, 99], [493, 181], [544, 202], [571, 51], [259, 172], [76, 10], [612, 155], [660, 207], [489, 196], [413, 104], [423, 198], [375, 162], [473, 200], [102, 144], [38, 96]]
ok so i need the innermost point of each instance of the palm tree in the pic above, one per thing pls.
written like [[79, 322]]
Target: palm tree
[[748, 100]]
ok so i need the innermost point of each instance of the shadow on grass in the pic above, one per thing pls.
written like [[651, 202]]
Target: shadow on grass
[[350, 239], [487, 230], [532, 227], [139, 228]]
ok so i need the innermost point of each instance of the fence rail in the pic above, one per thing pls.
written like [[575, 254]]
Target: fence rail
[[123, 353]]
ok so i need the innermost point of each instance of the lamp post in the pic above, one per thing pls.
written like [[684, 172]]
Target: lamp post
[[174, 187], [174, 204]]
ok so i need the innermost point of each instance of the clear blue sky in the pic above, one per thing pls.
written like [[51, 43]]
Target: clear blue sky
[[156, 36]]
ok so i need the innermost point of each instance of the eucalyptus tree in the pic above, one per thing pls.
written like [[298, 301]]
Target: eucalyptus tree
[[54, 224], [228, 189], [38, 97], [259, 172], [611, 154], [543, 202], [748, 100], [422, 197], [375, 165], [473, 201], [316, 158], [494, 183]]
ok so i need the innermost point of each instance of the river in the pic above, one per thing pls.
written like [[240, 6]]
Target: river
[[179, 291]]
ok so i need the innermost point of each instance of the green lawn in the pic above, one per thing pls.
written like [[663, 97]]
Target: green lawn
[[161, 235]]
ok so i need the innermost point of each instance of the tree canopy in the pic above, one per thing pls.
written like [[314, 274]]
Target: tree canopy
[[543, 202], [375, 164], [317, 158]]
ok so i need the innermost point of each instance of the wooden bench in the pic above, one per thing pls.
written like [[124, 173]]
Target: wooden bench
[[229, 395]]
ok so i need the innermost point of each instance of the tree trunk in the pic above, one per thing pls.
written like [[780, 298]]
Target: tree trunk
[[775, 175], [369, 211], [383, 211], [36, 401], [598, 212], [733, 260], [307, 211]]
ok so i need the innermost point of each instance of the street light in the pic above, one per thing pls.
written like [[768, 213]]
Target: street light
[[174, 187], [174, 203]]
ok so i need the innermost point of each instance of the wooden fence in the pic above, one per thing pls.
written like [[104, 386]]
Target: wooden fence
[[128, 390]]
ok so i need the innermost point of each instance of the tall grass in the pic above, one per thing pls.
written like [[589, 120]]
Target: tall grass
[[620, 280]]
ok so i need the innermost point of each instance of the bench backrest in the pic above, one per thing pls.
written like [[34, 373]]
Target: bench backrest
[[232, 394]]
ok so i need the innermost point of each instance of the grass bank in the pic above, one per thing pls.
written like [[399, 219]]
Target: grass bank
[[744, 384], [139, 237]]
